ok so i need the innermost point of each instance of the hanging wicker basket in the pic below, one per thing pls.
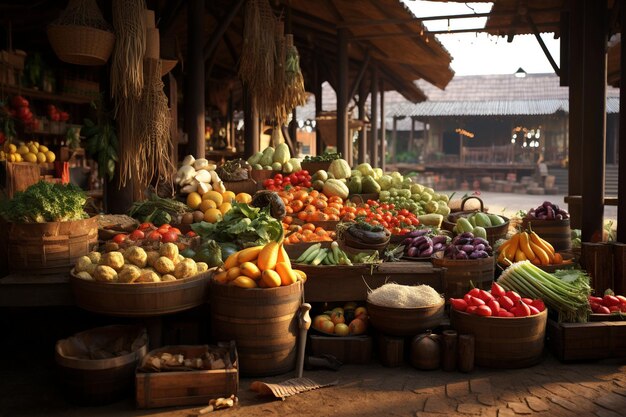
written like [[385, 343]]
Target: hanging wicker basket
[[81, 45]]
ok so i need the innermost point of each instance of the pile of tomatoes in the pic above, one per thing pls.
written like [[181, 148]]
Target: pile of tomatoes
[[497, 303], [281, 182], [165, 233], [399, 222], [311, 205]]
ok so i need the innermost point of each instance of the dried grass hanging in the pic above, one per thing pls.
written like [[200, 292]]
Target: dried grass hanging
[[83, 13], [295, 93], [130, 47], [155, 145], [256, 68], [279, 113]]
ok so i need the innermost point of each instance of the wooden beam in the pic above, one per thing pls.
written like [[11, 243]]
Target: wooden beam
[[544, 48], [224, 22], [342, 93], [594, 118], [168, 16], [407, 34], [621, 180], [362, 141], [576, 106], [317, 86], [374, 116], [251, 128], [564, 49], [394, 140], [194, 80], [383, 127]]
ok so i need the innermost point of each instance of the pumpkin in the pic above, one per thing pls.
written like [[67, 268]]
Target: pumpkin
[[336, 188]]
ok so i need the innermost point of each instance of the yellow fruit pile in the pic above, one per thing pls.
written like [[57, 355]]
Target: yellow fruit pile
[[259, 266], [529, 246], [214, 205], [30, 152]]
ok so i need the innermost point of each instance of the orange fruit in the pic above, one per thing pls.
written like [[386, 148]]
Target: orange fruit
[[206, 204], [212, 215]]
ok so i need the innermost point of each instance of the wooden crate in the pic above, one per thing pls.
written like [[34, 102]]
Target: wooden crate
[[586, 341], [164, 389], [347, 349], [350, 283]]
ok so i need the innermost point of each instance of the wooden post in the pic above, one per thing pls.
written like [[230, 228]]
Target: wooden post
[[250, 124], [194, 86], [394, 141], [317, 85], [411, 134], [383, 128], [594, 119], [363, 132], [374, 117], [230, 124], [621, 181], [342, 93], [576, 106]]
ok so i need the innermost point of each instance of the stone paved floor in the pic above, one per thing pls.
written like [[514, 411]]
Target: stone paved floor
[[550, 389]]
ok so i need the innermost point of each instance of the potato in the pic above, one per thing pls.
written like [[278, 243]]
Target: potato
[[164, 265], [178, 259], [111, 246], [129, 274], [105, 273], [148, 276], [168, 277], [186, 269], [113, 259], [152, 257], [85, 275], [136, 256], [169, 249], [202, 267], [91, 269], [82, 264], [94, 256]]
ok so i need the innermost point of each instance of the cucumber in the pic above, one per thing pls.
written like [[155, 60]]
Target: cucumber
[[307, 252], [320, 256], [480, 232], [463, 225], [496, 220], [482, 220]]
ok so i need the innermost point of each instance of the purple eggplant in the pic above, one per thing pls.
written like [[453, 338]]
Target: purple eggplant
[[437, 247], [419, 240], [477, 254], [550, 213], [467, 248], [466, 235], [460, 255], [439, 239], [480, 246], [426, 252], [559, 217], [407, 241], [412, 252], [464, 241], [547, 204], [418, 232]]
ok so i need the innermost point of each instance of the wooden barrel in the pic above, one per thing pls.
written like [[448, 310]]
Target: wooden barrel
[[142, 299], [503, 342], [49, 248], [459, 272], [405, 321], [557, 232], [100, 381], [263, 323]]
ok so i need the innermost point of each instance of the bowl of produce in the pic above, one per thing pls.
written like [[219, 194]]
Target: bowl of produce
[[530, 246], [419, 245], [486, 225], [349, 320], [552, 223], [609, 307], [362, 235], [404, 310]]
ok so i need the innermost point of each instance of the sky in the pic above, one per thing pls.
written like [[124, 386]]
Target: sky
[[480, 53]]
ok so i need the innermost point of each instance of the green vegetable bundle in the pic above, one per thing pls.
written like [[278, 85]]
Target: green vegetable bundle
[[158, 210], [565, 292], [245, 225], [46, 202]]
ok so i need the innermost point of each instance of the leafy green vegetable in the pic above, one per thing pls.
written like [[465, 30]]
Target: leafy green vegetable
[[210, 253], [244, 225], [157, 210], [46, 202]]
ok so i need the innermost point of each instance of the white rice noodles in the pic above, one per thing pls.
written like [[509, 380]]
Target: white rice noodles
[[405, 296]]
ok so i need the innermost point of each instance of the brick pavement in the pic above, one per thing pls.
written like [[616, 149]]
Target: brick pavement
[[550, 389]]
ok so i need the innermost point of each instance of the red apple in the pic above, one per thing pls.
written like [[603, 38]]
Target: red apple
[[317, 321], [327, 326], [360, 312], [357, 326], [337, 317], [342, 329]]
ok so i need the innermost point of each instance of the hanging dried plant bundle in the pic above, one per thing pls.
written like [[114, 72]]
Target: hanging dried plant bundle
[[128, 138], [83, 13], [256, 68], [130, 46], [295, 93], [279, 113], [155, 145]]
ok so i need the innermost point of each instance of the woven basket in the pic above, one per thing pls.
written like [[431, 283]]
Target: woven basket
[[81, 45]]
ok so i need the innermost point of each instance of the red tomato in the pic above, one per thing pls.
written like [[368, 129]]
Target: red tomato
[[485, 296], [533, 310], [494, 306], [119, 238], [621, 299], [175, 230], [144, 226], [304, 172], [595, 299], [504, 313], [528, 301], [602, 310], [467, 298], [155, 235], [610, 300], [484, 311], [474, 292], [191, 233], [137, 235], [515, 297], [415, 221], [613, 309], [471, 309], [458, 304], [475, 301], [170, 236], [505, 302], [521, 310], [539, 305], [307, 184], [278, 177], [163, 229], [497, 290]]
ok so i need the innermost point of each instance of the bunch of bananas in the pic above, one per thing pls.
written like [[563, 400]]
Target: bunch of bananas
[[529, 246]]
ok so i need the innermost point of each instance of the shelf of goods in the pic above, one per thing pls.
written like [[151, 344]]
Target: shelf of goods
[[350, 283]]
